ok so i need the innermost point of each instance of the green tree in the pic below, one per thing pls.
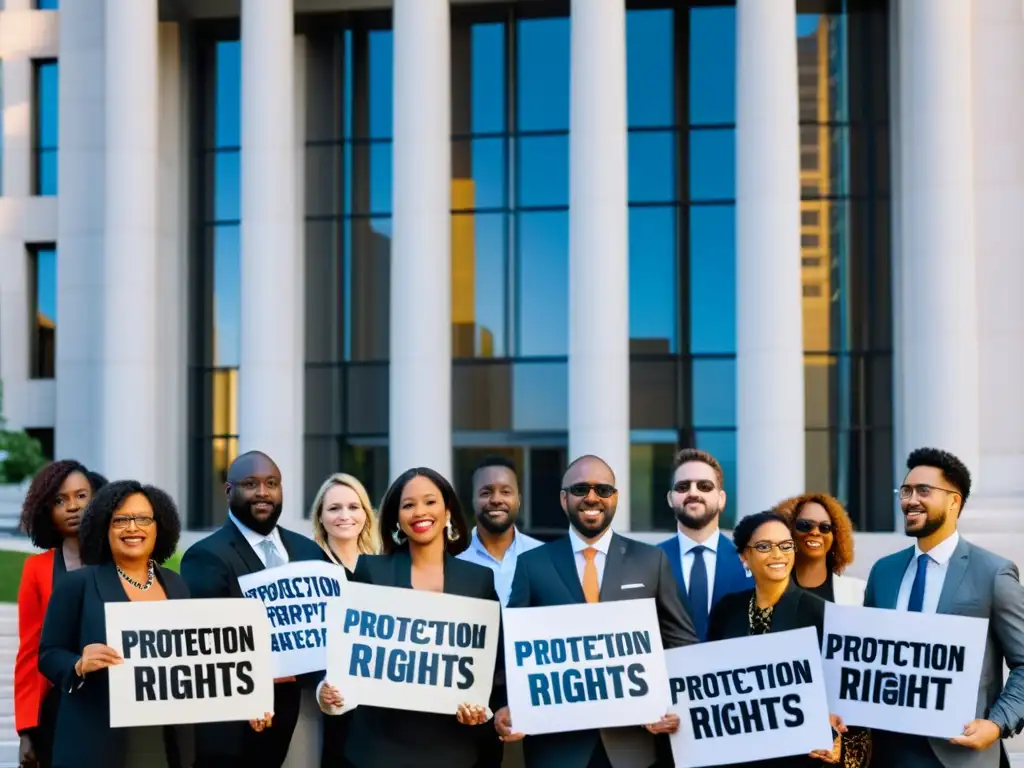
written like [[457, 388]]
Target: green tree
[[21, 455]]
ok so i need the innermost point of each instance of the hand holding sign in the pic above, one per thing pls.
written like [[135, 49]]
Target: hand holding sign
[[97, 656], [832, 755], [668, 724], [978, 734], [265, 722], [330, 697], [471, 714], [503, 725]]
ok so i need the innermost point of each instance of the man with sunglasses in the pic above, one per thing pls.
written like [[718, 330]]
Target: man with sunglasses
[[592, 564], [704, 562], [944, 573]]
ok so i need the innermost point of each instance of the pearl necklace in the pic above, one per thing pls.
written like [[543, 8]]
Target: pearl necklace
[[134, 583]]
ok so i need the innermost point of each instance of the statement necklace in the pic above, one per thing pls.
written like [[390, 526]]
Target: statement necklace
[[134, 583]]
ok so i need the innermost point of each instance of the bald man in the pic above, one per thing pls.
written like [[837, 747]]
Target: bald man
[[249, 541], [593, 564]]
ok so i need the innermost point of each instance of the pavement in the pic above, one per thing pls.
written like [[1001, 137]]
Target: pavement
[[8, 650]]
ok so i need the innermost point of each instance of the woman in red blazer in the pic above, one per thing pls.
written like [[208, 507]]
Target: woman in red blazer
[[50, 515]]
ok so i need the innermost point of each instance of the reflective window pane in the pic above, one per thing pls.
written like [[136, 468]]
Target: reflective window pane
[[48, 5], [488, 78], [649, 67], [543, 171], [479, 284], [228, 95], [652, 167], [43, 268], [722, 445], [227, 308], [368, 289], [542, 64], [542, 282], [478, 174], [712, 165], [540, 397], [227, 194], [713, 65], [714, 392], [712, 300], [46, 127], [653, 283], [381, 82], [650, 467]]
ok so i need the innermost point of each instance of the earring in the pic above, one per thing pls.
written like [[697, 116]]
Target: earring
[[453, 535], [397, 537]]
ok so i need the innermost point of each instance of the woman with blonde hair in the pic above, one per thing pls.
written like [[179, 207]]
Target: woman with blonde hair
[[344, 522]]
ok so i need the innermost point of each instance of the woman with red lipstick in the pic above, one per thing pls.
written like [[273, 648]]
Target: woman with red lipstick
[[422, 529], [50, 515]]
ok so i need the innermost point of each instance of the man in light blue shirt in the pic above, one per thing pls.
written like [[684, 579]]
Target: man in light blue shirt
[[496, 543]]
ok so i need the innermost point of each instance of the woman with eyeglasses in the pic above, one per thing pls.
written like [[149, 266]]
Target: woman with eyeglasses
[[824, 548], [127, 532], [775, 604]]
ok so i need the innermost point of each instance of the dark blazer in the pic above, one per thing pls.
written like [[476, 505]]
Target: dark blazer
[[795, 610], [547, 576], [390, 737], [75, 618], [730, 575], [211, 568], [983, 585]]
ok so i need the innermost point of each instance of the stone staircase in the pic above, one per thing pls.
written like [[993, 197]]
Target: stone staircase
[[8, 650]]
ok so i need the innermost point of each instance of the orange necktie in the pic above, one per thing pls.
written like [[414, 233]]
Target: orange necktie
[[591, 590]]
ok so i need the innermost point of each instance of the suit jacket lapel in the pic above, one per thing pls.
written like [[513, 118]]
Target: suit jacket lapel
[[675, 561], [241, 546], [611, 580], [889, 588], [401, 565], [955, 572], [108, 583], [728, 569], [784, 615], [174, 588], [564, 560]]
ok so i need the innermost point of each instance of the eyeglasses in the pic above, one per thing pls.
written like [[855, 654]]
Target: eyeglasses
[[765, 547], [123, 522], [704, 486], [923, 491], [806, 526], [582, 490]]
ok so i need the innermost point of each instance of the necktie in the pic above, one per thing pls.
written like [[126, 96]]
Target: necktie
[[916, 602], [270, 554], [698, 592], [591, 590]]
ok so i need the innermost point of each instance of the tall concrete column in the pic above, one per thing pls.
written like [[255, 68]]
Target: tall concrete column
[[598, 286], [270, 412], [771, 435], [998, 90], [81, 169], [130, 352], [420, 376], [937, 398]]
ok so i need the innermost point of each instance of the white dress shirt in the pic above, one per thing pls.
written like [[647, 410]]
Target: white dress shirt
[[601, 545], [935, 575], [686, 547], [256, 540]]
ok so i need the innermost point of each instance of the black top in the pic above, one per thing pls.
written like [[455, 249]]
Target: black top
[[391, 737], [825, 590], [76, 617]]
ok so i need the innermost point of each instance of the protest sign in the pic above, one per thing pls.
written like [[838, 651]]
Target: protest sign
[[189, 661], [574, 667], [914, 673], [295, 597], [771, 704], [419, 651]]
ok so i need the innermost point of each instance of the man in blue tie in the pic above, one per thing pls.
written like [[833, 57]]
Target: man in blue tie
[[704, 561], [944, 573]]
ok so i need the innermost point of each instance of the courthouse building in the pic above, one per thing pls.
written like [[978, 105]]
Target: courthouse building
[[367, 235]]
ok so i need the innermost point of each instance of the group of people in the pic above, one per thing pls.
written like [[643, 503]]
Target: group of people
[[107, 542]]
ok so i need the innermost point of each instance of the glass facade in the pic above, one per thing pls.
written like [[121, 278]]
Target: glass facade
[[510, 197], [42, 270], [44, 127], [47, 5]]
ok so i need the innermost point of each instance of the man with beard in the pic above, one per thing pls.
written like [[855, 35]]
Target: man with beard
[[250, 540], [704, 561], [588, 565], [496, 542], [944, 573]]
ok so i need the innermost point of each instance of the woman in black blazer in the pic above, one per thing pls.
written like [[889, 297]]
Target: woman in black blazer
[[775, 604], [422, 530], [127, 530]]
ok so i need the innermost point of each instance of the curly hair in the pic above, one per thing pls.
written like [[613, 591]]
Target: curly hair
[[37, 509], [841, 553], [93, 533], [748, 525], [949, 465], [389, 508]]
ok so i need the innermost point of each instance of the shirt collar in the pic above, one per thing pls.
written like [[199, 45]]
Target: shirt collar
[[478, 545], [602, 545], [940, 553], [254, 537], [686, 544]]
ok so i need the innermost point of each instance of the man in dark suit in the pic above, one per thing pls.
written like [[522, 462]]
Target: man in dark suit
[[249, 541], [593, 564], [944, 573], [704, 561]]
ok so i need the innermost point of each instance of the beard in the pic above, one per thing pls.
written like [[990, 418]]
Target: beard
[[243, 511], [576, 521], [495, 526], [698, 521], [931, 525]]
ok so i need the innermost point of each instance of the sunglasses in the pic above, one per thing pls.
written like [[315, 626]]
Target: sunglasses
[[704, 486], [807, 526], [582, 490]]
